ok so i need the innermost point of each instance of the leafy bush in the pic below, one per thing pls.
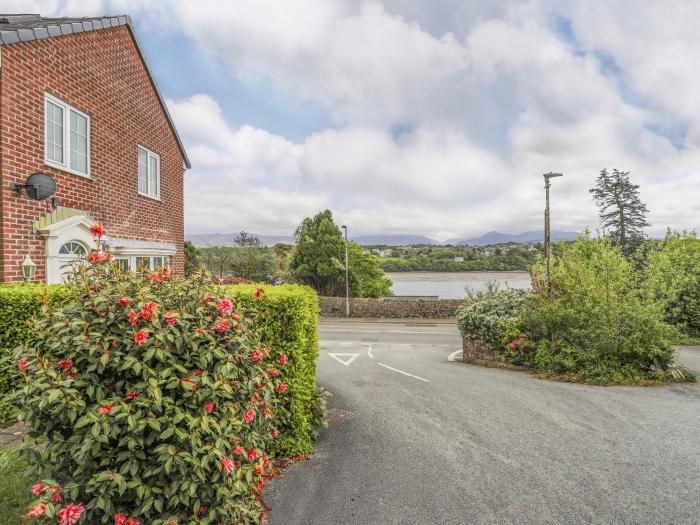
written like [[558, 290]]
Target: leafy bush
[[288, 322], [151, 399], [594, 323], [486, 318], [672, 275], [19, 305]]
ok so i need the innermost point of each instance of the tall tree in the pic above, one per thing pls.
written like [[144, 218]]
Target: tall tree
[[251, 259], [622, 212], [192, 262]]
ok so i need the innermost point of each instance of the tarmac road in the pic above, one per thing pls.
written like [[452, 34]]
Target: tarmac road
[[418, 439]]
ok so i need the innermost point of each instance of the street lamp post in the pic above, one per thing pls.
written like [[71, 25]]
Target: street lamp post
[[347, 282], [547, 233]]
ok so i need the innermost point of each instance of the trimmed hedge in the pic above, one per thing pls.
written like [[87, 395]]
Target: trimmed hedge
[[19, 305], [290, 314], [290, 326]]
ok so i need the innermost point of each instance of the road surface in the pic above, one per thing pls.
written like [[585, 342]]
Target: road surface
[[417, 439]]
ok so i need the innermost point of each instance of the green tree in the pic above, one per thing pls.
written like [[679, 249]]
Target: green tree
[[622, 212], [318, 260], [192, 262], [218, 259], [251, 259]]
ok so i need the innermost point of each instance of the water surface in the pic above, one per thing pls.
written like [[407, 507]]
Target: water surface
[[453, 285]]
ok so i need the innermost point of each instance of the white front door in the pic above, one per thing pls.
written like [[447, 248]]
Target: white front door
[[68, 254]]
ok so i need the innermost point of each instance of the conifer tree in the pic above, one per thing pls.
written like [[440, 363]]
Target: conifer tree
[[621, 210]]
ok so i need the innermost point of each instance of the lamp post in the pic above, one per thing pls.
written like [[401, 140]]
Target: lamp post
[[547, 240], [347, 282]]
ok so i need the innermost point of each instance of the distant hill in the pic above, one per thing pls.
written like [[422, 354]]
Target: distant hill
[[203, 240], [392, 240], [495, 237]]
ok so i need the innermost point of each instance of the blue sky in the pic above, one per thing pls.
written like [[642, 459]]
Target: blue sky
[[433, 117]]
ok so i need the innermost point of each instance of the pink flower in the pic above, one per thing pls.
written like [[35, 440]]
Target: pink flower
[[148, 311], [249, 416], [258, 293], [38, 489], [239, 450], [105, 409], [70, 514], [119, 519], [283, 359], [94, 257], [36, 511], [97, 230], [257, 356], [65, 364], [132, 319], [224, 305], [140, 337], [222, 325], [133, 394], [274, 433], [124, 301], [56, 498], [155, 277], [253, 454], [209, 407], [22, 364], [171, 321], [227, 465], [282, 388], [235, 316], [132, 521]]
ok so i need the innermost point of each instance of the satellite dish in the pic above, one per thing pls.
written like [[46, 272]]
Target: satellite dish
[[39, 186]]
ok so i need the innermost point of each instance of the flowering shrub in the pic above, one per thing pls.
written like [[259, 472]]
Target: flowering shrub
[[151, 400]]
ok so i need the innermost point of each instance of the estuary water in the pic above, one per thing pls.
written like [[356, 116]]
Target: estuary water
[[453, 285]]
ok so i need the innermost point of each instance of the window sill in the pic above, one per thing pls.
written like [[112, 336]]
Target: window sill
[[61, 167], [157, 199]]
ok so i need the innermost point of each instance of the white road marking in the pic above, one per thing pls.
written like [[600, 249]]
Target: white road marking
[[369, 350], [404, 373], [384, 331], [454, 354], [349, 358], [345, 344]]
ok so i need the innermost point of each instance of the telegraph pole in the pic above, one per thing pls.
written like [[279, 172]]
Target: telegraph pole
[[347, 282], [547, 236]]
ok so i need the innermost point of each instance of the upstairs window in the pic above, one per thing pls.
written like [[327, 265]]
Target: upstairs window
[[149, 173], [66, 137]]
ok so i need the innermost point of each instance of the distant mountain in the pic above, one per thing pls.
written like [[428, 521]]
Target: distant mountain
[[494, 237], [392, 240], [202, 240]]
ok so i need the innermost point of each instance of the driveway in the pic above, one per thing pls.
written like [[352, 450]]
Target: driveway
[[417, 439]]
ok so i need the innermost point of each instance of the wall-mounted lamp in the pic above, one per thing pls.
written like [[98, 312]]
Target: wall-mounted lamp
[[28, 268]]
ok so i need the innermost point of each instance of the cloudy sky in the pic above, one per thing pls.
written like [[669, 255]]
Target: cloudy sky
[[434, 117]]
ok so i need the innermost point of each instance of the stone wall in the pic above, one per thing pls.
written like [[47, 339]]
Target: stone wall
[[472, 353], [391, 308]]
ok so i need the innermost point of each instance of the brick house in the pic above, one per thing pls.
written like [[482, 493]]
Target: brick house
[[79, 103]]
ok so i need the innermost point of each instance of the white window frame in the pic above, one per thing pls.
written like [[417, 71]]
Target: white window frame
[[65, 165], [149, 154], [151, 260]]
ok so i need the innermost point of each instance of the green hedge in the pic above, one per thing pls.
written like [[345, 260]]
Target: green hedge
[[19, 304], [291, 328]]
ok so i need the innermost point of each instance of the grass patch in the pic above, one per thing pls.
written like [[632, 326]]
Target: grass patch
[[14, 487]]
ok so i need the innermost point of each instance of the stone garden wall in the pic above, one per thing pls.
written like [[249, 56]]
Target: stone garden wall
[[391, 308]]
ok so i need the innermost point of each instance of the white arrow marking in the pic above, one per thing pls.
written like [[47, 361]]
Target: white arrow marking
[[369, 350], [349, 358]]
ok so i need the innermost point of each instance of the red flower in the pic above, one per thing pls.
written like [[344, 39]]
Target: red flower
[[133, 394], [209, 407], [36, 511], [283, 359], [259, 485], [124, 301], [171, 321], [132, 319], [267, 412], [38, 489], [70, 514], [148, 311], [155, 277], [65, 364], [223, 325], [282, 388], [201, 510], [274, 433], [258, 293], [253, 454], [249, 416], [259, 470], [94, 257], [105, 409], [198, 372], [227, 465], [239, 450], [132, 521], [235, 316], [97, 230], [140, 337], [119, 519], [257, 356], [224, 305], [56, 498], [273, 372], [22, 364]]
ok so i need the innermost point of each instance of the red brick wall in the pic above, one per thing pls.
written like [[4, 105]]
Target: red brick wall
[[101, 74]]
